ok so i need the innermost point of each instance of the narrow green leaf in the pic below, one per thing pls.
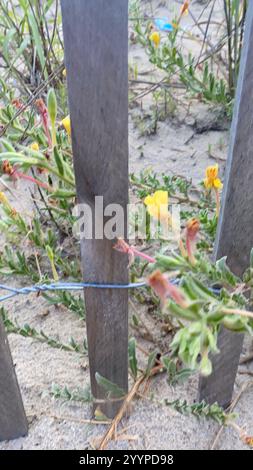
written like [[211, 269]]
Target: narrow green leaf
[[113, 390], [132, 357]]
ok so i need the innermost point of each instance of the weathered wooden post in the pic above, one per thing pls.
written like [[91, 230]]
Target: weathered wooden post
[[235, 228], [13, 421], [96, 54]]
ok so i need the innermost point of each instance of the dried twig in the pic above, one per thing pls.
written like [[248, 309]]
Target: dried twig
[[123, 409], [243, 388]]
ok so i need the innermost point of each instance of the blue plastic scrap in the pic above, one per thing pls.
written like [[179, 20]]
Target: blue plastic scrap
[[164, 25]]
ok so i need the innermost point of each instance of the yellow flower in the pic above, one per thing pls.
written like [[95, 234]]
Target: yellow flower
[[64, 73], [67, 125], [212, 180], [5, 202], [155, 38], [3, 199], [157, 204], [35, 146]]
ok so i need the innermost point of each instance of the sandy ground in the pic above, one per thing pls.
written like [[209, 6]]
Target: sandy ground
[[55, 424]]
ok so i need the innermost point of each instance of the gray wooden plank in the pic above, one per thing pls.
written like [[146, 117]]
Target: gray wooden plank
[[13, 421], [96, 56], [235, 234]]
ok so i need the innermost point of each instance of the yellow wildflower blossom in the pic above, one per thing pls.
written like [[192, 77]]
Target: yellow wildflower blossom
[[7, 205], [35, 146], [157, 204], [4, 200], [67, 125], [64, 73], [212, 180], [155, 38]]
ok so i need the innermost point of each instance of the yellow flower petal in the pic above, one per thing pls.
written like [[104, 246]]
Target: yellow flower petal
[[155, 38], [217, 183], [157, 204], [149, 200], [35, 146], [67, 125], [207, 183], [161, 197], [212, 180], [4, 200], [212, 171]]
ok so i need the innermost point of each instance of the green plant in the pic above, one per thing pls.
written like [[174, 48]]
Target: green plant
[[200, 310], [78, 395], [175, 374], [197, 74], [235, 14], [28, 332], [30, 40], [72, 303], [201, 410]]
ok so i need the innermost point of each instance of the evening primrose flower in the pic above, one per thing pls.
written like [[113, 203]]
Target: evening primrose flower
[[164, 289], [212, 181], [157, 205], [4, 200], [67, 125], [190, 234], [192, 230], [155, 38], [35, 146]]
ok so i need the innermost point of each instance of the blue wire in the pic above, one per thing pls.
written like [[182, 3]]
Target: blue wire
[[64, 286], [75, 286]]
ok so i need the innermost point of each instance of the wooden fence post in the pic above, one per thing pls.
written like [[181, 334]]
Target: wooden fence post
[[235, 229], [96, 55], [13, 421]]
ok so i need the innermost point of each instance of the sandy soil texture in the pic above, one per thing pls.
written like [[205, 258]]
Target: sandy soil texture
[[185, 142]]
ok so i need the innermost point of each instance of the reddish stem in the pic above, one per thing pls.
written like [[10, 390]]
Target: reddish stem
[[140, 254], [217, 196], [33, 180]]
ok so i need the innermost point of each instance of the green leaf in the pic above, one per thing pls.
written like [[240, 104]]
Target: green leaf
[[198, 289], [113, 390], [132, 357], [205, 366], [7, 145], [36, 38], [151, 363], [226, 273], [21, 49], [59, 161], [63, 194], [52, 105], [6, 43], [251, 258]]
